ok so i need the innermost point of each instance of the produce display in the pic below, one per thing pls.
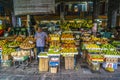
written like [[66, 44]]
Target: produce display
[[28, 43], [7, 51], [54, 40], [2, 42], [30, 38], [109, 49], [19, 39], [19, 54], [92, 48], [67, 38], [14, 44], [77, 24], [116, 43], [98, 56], [68, 48], [95, 57], [55, 45], [95, 40]]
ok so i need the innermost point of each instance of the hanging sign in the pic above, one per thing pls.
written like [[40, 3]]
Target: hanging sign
[[24, 7]]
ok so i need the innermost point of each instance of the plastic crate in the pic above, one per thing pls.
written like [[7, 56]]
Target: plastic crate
[[6, 63], [54, 64]]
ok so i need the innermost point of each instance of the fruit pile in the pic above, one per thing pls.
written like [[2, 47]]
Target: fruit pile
[[67, 38], [93, 48], [19, 39], [14, 44], [19, 54], [116, 43], [54, 40], [109, 49], [2, 42], [97, 56], [76, 24], [54, 44], [68, 48], [28, 43], [30, 38], [7, 51]]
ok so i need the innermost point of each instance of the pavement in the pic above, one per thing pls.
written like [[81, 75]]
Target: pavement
[[81, 72]]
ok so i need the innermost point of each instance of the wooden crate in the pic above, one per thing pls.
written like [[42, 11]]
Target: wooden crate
[[6, 57], [69, 62], [43, 64], [53, 69]]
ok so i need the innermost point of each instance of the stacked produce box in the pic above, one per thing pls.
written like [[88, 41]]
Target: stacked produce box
[[68, 49], [43, 61], [100, 50], [54, 53]]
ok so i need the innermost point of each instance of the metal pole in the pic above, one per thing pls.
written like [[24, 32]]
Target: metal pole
[[28, 24]]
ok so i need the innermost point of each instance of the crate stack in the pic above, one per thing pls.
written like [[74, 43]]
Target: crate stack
[[111, 61], [69, 50], [43, 62], [54, 53], [54, 63]]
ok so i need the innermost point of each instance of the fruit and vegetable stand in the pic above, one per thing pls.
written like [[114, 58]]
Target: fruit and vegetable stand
[[95, 50], [104, 53], [11, 51]]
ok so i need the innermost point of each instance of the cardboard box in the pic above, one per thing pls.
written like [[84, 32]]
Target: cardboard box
[[53, 69], [6, 57], [69, 62], [43, 64]]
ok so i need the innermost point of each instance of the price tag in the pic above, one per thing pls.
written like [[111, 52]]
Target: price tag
[[54, 38]]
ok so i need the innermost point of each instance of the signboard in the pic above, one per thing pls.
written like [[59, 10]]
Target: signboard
[[24, 7]]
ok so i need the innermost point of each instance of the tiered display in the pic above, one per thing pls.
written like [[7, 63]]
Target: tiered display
[[100, 50], [77, 24], [54, 53], [55, 45], [68, 46]]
